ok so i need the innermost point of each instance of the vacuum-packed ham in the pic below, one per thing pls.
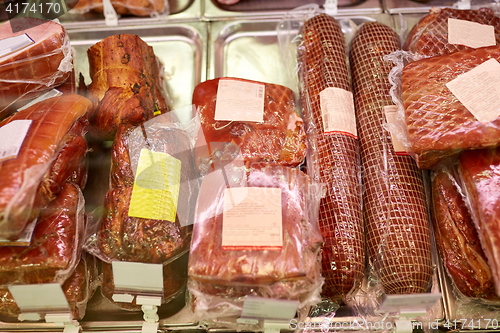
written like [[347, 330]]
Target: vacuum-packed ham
[[127, 84], [479, 170], [36, 68], [279, 139], [457, 238], [267, 263], [439, 125], [52, 146], [429, 37], [393, 198], [333, 159]]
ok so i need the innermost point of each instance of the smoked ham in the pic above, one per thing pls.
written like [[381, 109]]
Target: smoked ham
[[27, 181], [479, 170], [334, 159], [457, 238], [393, 200], [126, 86], [429, 37], [280, 139], [37, 68], [439, 125]]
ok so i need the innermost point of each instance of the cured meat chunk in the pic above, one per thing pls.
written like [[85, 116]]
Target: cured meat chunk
[[37, 68], [429, 37], [439, 125], [55, 246], [126, 84], [221, 271], [333, 159], [280, 139], [26, 182], [393, 199], [457, 238], [479, 170]]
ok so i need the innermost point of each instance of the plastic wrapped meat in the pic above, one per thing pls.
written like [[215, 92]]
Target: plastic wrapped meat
[[125, 7], [37, 68], [393, 200], [429, 37], [333, 159], [479, 170], [457, 238], [127, 84], [439, 125], [148, 240], [220, 274], [55, 246], [280, 139], [53, 143]]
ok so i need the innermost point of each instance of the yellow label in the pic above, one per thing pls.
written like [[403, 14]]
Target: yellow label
[[156, 186], [157, 110]]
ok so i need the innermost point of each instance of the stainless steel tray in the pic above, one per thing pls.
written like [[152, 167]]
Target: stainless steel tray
[[276, 8], [179, 11]]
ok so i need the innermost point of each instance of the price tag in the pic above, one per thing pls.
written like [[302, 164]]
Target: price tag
[[479, 90], [471, 34], [260, 307], [156, 188], [138, 277], [252, 219], [25, 239], [337, 112], [42, 298], [240, 101], [391, 112], [12, 137], [49, 94], [14, 44], [418, 303]]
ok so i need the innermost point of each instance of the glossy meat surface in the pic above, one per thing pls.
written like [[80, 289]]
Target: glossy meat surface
[[457, 238], [429, 37], [124, 89], [280, 139], [480, 170], [439, 125], [21, 196], [334, 159], [37, 68], [395, 213]]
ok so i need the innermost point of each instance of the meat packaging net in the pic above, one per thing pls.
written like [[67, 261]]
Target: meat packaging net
[[394, 206], [333, 160]]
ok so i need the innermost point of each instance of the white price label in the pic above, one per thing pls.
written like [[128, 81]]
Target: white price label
[[479, 90], [12, 136], [252, 219], [391, 112], [402, 303], [240, 101], [42, 298], [14, 44], [260, 307], [471, 34], [337, 112], [138, 277]]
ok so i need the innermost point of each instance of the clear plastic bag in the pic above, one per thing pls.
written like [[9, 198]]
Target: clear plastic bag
[[143, 8]]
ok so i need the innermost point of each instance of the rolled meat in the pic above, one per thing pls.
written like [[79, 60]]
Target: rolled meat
[[395, 213], [333, 160]]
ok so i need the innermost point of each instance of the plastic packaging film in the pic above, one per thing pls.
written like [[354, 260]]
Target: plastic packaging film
[[332, 160], [27, 181], [219, 278], [395, 213], [153, 8], [37, 68], [279, 139], [127, 84]]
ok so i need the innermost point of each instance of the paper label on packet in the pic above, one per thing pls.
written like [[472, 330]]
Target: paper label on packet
[[14, 44], [25, 239], [156, 187], [12, 136], [471, 34], [391, 112], [240, 101], [252, 219], [479, 90], [337, 111], [261, 307]]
